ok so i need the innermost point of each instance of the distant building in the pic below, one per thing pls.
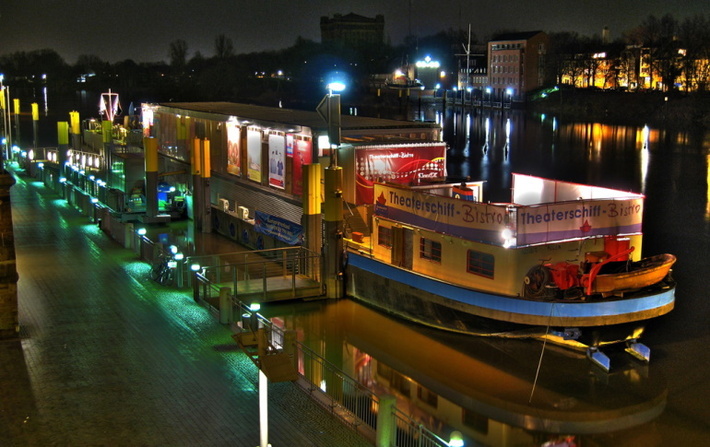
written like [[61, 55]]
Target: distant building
[[473, 69], [353, 29], [516, 63]]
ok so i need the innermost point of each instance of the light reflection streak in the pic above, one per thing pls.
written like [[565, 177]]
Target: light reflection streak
[[484, 159], [46, 101], [506, 148], [644, 158]]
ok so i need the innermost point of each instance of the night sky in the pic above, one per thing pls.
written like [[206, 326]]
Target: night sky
[[143, 29]]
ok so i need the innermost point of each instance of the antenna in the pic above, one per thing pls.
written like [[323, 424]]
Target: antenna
[[467, 49]]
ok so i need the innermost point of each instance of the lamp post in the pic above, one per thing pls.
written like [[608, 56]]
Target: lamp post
[[329, 110]]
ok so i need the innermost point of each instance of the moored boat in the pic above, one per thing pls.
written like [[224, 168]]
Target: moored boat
[[561, 261]]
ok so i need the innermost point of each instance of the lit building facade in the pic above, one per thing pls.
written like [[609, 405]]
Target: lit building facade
[[516, 64]]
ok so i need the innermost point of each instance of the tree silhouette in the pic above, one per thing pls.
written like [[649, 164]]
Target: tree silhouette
[[223, 47], [178, 54]]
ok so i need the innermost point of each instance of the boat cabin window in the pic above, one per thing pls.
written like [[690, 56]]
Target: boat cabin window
[[480, 263], [384, 236], [429, 249]]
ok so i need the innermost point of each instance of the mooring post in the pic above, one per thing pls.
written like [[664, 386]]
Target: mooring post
[[225, 305]]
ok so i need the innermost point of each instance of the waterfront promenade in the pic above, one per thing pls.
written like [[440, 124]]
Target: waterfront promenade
[[107, 357]]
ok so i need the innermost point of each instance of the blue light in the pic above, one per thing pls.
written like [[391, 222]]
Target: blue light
[[336, 86]]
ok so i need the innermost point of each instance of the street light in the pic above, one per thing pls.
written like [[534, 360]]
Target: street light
[[335, 86]]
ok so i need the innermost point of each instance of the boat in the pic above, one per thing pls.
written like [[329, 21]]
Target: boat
[[402, 81], [560, 262]]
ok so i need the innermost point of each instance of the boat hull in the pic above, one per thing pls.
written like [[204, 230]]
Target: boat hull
[[436, 303]]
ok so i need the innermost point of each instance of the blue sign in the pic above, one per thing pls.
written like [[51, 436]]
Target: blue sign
[[278, 228]]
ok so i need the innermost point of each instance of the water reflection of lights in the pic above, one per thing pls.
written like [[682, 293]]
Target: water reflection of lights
[[644, 137], [46, 101], [484, 160], [448, 384], [488, 133], [506, 149], [644, 158]]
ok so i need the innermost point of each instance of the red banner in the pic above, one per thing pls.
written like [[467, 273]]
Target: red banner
[[404, 165]]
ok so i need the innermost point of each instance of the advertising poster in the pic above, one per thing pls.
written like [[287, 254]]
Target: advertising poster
[[396, 164], [303, 150], [277, 159], [233, 154], [254, 155]]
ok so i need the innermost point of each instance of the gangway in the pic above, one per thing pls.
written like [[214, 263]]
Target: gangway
[[262, 275]]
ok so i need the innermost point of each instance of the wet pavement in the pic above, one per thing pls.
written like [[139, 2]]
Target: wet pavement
[[107, 357]]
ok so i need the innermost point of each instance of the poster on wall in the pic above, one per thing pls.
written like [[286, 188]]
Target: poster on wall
[[277, 158], [302, 156], [289, 145], [254, 155], [233, 153], [404, 165]]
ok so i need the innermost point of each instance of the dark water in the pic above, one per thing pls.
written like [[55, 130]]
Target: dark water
[[486, 388]]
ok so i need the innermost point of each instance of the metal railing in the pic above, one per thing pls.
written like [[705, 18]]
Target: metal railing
[[261, 271]]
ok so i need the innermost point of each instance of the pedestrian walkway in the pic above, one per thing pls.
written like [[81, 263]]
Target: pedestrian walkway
[[107, 357]]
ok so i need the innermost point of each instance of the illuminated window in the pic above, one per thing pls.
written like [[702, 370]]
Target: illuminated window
[[429, 249], [480, 263], [384, 236]]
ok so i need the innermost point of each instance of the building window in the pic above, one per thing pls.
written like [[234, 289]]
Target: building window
[[384, 236], [429, 249], [427, 396], [480, 263], [475, 421]]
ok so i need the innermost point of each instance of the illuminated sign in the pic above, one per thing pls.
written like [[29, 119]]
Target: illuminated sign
[[428, 63]]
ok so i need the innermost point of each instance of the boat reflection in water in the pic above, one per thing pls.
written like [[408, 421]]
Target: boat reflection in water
[[484, 388]]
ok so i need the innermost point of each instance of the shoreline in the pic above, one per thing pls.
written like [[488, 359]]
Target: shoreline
[[656, 109]]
